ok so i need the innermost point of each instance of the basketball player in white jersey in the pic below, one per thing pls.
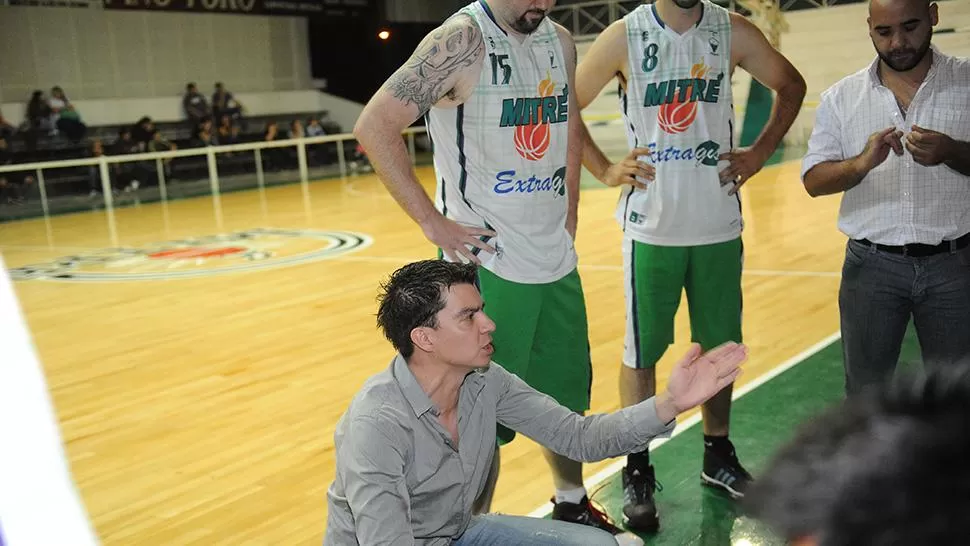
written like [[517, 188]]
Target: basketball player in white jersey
[[679, 207], [495, 82]]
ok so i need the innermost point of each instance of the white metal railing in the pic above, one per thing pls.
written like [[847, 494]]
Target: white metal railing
[[210, 152], [591, 18]]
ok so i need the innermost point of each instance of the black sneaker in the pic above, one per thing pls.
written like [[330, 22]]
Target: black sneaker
[[639, 509], [584, 513], [725, 473]]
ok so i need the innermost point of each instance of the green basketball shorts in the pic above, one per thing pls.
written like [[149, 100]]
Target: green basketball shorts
[[654, 277], [542, 336]]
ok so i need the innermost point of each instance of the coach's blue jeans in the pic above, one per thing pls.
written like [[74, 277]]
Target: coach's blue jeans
[[881, 291], [494, 529]]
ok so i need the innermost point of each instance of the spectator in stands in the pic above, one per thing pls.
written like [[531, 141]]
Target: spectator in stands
[[125, 144], [8, 193], [143, 132], [226, 133], [7, 130], [204, 136], [94, 171], [225, 104], [65, 117], [296, 129], [36, 119], [316, 153], [195, 106], [275, 158], [129, 175], [313, 128], [159, 143], [885, 467], [14, 186], [359, 161]]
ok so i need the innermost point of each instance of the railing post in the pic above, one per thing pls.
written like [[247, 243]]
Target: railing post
[[162, 190], [341, 160], [260, 180], [301, 161], [43, 191], [210, 155], [105, 173]]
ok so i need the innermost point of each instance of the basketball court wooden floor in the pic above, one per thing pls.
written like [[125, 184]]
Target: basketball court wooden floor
[[200, 352]]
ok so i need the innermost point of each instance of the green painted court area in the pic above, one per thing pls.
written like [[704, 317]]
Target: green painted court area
[[762, 420]]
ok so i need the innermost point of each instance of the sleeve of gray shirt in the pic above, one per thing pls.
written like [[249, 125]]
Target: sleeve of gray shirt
[[580, 438], [375, 485]]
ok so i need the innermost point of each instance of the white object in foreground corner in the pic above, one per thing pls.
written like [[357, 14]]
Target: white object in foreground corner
[[39, 504]]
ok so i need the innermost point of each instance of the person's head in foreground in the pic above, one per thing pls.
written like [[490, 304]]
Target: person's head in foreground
[[887, 467]]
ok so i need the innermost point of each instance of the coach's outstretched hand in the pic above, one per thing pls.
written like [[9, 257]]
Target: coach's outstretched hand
[[698, 377]]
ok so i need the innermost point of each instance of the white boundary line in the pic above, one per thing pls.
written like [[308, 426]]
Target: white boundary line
[[616, 466], [404, 259]]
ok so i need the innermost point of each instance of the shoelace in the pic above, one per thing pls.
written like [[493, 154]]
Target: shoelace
[[598, 513]]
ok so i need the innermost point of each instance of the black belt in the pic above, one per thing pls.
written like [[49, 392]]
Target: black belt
[[920, 250]]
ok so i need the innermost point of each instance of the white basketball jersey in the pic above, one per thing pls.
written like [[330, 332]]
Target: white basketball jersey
[[500, 158], [678, 103]]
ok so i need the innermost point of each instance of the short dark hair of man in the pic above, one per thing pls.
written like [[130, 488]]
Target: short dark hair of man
[[414, 294], [890, 466]]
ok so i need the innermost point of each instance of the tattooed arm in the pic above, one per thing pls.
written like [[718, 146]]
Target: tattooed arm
[[442, 70]]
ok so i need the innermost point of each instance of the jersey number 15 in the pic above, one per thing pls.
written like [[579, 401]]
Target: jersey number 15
[[498, 61]]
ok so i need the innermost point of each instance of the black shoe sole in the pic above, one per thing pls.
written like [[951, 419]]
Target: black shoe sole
[[711, 482], [652, 526]]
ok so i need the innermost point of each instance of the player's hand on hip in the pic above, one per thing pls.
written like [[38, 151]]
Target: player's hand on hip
[[631, 171], [878, 146], [743, 163], [455, 239], [697, 377], [928, 147]]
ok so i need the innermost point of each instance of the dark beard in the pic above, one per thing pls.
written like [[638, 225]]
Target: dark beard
[[525, 26], [686, 4], [911, 57]]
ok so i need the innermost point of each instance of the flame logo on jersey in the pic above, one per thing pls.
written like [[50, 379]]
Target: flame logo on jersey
[[677, 115], [532, 140]]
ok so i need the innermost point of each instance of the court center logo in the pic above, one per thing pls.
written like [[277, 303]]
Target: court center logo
[[238, 252]]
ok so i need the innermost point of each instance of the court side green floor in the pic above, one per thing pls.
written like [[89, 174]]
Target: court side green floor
[[761, 421]]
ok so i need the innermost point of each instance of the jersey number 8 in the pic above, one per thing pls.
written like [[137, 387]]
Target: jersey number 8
[[650, 57]]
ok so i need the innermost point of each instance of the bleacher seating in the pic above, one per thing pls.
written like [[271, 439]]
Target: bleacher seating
[[76, 180], [105, 117]]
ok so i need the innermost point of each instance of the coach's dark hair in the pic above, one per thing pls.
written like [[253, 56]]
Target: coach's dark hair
[[886, 467], [414, 294]]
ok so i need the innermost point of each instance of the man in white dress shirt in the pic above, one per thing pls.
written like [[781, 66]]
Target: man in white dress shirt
[[893, 139]]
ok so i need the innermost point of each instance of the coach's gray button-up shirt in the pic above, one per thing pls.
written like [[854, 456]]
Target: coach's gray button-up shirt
[[400, 479]]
